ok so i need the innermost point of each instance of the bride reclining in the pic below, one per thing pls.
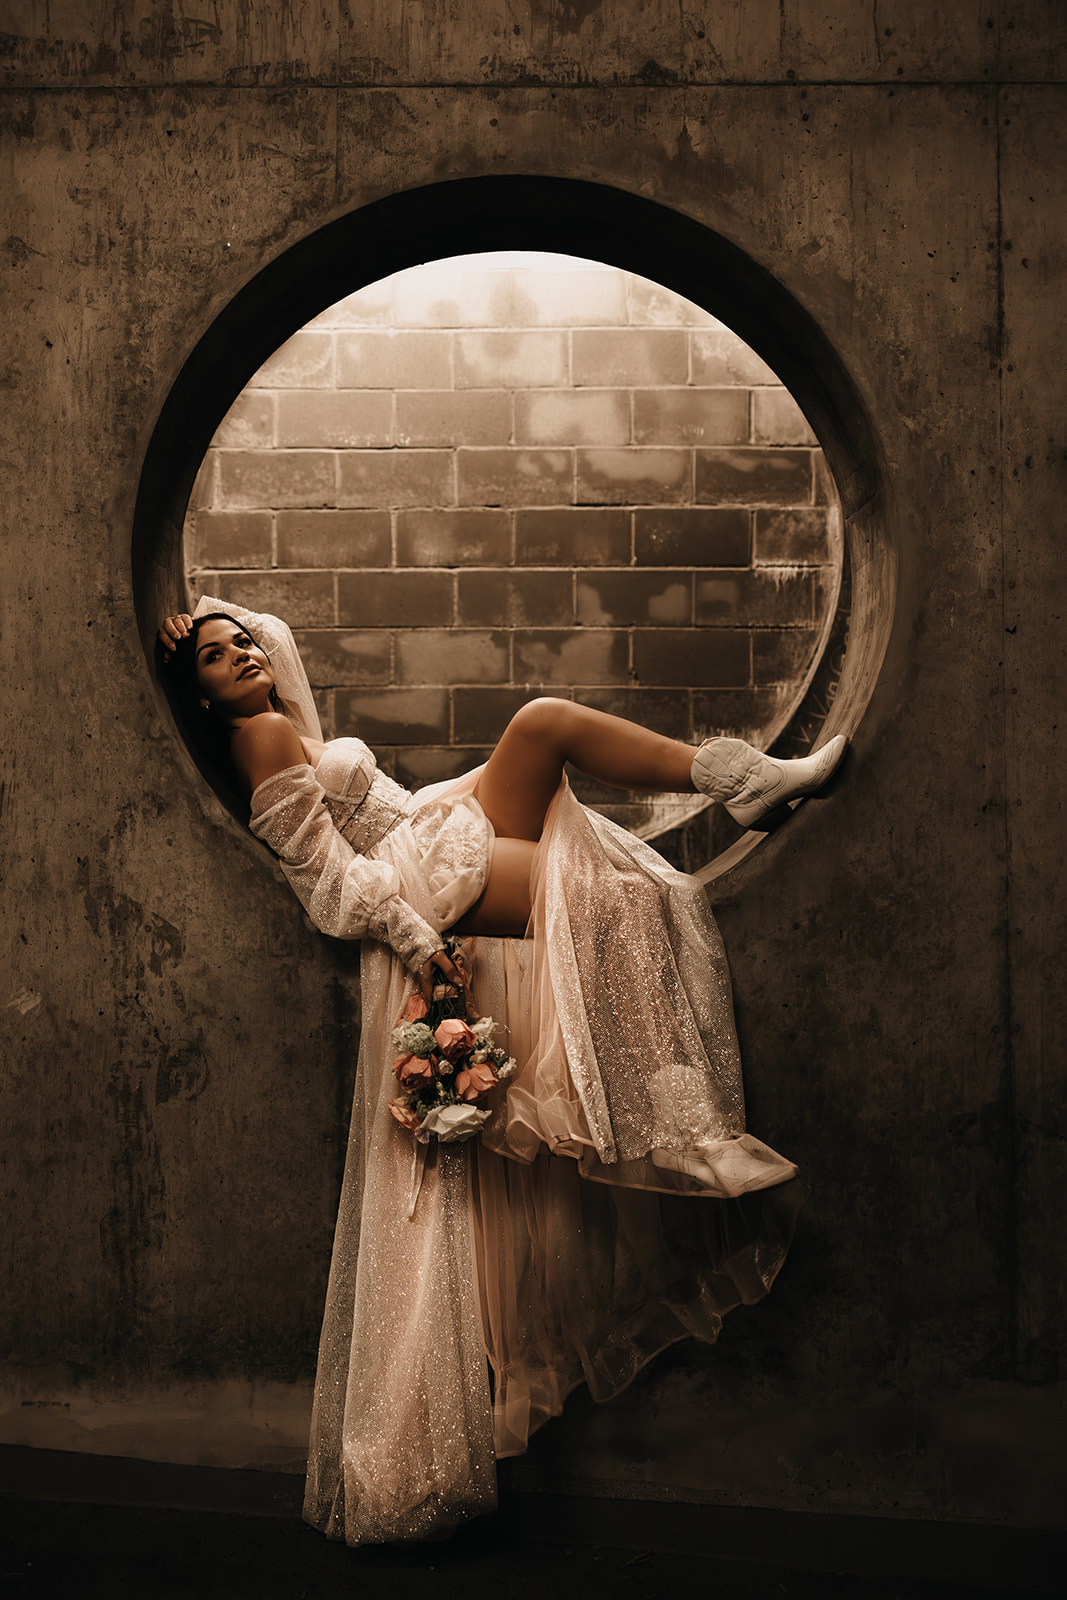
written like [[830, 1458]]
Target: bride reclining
[[606, 968]]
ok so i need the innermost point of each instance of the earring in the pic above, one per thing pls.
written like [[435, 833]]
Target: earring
[[205, 705]]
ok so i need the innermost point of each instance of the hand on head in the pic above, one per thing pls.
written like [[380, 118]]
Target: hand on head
[[173, 629]]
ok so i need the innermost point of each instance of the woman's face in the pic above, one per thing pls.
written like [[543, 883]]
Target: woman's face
[[232, 672]]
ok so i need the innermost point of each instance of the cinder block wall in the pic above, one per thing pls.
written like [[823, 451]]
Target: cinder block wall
[[508, 475]]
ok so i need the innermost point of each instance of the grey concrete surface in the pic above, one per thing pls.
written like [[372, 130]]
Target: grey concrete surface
[[177, 1043]]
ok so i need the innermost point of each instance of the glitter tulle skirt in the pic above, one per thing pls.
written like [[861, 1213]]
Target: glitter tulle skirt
[[501, 1253]]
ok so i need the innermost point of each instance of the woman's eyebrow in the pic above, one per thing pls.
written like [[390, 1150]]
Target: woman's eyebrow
[[212, 642]]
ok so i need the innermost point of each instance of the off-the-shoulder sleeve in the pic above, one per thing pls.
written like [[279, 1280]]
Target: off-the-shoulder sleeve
[[346, 895]]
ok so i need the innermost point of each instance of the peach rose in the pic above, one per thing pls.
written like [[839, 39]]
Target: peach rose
[[454, 1038], [477, 1080], [405, 1116], [413, 1069], [415, 1009]]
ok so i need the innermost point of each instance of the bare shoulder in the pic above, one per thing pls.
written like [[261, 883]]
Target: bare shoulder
[[265, 745]]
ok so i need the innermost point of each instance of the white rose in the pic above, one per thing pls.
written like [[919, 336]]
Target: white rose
[[453, 1123]]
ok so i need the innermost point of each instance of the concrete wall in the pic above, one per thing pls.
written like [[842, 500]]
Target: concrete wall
[[177, 1042], [516, 474]]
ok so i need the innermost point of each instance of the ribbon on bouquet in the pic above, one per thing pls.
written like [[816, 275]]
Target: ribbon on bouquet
[[418, 1169]]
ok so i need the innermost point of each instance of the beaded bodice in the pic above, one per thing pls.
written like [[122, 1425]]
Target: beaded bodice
[[364, 802]]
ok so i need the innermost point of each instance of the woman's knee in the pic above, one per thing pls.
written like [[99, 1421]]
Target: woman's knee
[[546, 718]]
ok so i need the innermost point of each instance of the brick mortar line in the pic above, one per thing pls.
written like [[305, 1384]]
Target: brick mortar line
[[266, 451], [565, 385], [576, 567], [453, 331], [558, 505], [513, 631]]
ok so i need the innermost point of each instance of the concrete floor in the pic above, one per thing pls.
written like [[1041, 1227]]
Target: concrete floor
[[231, 1535]]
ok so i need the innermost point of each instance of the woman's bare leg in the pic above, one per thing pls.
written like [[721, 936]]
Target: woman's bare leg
[[523, 774], [524, 771], [503, 911]]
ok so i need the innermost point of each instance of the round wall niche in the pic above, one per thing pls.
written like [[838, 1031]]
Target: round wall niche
[[511, 474], [514, 471]]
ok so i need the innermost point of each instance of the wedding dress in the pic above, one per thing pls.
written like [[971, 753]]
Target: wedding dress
[[614, 1201]]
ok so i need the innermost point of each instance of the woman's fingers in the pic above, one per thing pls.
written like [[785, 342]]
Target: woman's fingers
[[439, 962], [174, 628], [450, 970]]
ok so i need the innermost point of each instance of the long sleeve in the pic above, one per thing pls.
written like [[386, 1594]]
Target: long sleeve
[[346, 895]]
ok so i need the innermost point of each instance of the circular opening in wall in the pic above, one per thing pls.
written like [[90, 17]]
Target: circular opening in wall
[[511, 472]]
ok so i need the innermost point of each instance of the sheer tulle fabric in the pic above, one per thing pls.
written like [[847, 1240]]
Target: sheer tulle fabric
[[633, 1067], [583, 1281], [618, 1010], [401, 1438]]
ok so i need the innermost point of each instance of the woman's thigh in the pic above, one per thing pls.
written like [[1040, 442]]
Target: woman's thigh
[[503, 908], [524, 771]]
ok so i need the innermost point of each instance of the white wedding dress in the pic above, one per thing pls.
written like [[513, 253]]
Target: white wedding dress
[[613, 1202]]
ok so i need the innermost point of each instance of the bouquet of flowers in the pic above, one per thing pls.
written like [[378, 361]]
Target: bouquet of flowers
[[447, 1063]]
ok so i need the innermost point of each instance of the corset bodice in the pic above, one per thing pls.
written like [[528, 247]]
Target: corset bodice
[[364, 802]]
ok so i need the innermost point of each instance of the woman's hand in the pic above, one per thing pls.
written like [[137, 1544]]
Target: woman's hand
[[439, 963], [173, 629]]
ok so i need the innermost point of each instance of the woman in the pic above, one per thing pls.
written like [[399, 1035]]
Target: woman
[[608, 971]]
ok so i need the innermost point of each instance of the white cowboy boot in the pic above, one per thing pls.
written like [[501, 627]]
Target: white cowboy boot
[[749, 784]]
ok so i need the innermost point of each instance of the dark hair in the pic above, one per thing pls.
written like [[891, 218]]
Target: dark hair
[[206, 735]]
